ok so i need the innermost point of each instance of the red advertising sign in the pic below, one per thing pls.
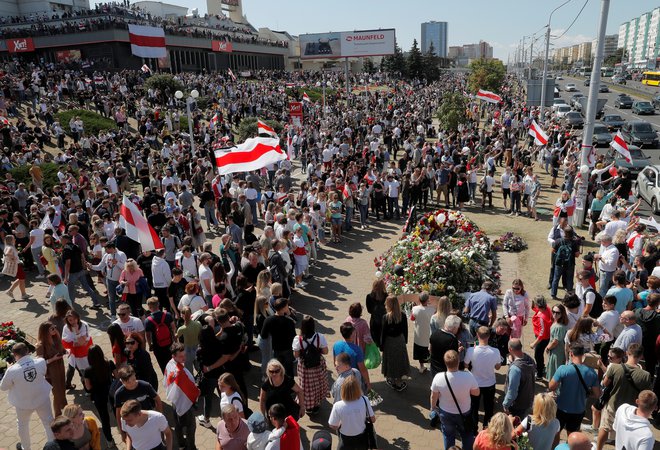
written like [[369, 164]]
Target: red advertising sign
[[296, 113], [20, 45], [221, 46]]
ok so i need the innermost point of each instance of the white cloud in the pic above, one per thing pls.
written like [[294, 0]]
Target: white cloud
[[568, 39]]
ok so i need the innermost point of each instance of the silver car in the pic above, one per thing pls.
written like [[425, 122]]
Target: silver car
[[648, 187]]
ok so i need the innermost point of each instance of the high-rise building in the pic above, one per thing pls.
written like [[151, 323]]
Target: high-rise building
[[609, 48], [435, 33], [640, 37]]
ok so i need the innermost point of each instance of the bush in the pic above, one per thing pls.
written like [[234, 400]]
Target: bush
[[315, 93], [93, 122], [165, 83], [21, 174], [248, 128]]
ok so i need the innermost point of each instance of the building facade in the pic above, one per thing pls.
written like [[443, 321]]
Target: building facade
[[640, 37], [435, 33], [32, 7]]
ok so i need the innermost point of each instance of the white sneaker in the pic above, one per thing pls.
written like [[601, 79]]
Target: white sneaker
[[40, 276], [10, 294], [302, 284], [203, 421]]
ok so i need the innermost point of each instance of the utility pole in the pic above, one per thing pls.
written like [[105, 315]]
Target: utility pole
[[523, 59], [531, 56], [586, 162], [545, 69]]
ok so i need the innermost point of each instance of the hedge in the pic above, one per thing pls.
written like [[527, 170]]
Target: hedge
[[92, 121], [248, 128], [315, 93], [21, 174]]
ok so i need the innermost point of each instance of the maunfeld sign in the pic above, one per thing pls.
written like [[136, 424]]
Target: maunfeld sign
[[347, 44]]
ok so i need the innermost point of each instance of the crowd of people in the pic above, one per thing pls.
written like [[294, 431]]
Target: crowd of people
[[191, 314]]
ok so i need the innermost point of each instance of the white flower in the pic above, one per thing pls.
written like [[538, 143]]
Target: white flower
[[440, 219], [489, 264], [379, 274]]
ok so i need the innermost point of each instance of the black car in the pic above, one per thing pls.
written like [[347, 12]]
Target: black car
[[603, 88], [613, 121], [640, 133], [642, 107], [587, 82], [573, 119], [623, 102]]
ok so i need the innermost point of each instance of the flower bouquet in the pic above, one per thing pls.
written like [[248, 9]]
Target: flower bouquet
[[9, 336], [509, 242], [374, 398], [444, 254]]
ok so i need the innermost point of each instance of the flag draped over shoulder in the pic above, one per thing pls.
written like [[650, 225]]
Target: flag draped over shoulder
[[137, 227]]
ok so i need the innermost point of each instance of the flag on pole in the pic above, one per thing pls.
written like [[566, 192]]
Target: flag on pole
[[214, 120], [180, 388], [619, 144], [137, 227], [289, 146], [306, 98], [145, 68], [488, 96], [540, 138], [264, 128], [147, 42], [253, 154], [46, 224], [231, 74]]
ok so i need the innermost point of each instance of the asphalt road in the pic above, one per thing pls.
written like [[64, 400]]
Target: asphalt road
[[626, 114]]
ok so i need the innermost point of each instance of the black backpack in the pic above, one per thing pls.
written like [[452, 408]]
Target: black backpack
[[310, 355], [564, 254], [597, 307]]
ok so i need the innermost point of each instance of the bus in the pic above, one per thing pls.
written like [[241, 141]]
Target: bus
[[585, 71], [606, 71], [651, 78]]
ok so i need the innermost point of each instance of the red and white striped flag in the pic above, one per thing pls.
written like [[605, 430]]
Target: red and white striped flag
[[180, 388], [264, 128], [98, 79], [231, 74], [214, 120], [289, 146], [145, 68], [137, 227], [540, 138], [147, 42], [306, 98], [619, 144], [488, 96], [4, 120], [253, 154]]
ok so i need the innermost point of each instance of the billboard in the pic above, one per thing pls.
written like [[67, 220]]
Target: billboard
[[296, 113], [20, 45], [67, 56], [221, 46], [347, 44]]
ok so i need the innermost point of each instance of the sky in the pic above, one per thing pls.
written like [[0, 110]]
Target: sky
[[501, 23]]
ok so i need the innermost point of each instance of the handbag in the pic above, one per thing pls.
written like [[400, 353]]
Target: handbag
[[467, 420], [591, 360], [369, 430]]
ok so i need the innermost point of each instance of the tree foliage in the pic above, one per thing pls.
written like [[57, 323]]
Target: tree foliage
[[486, 74], [165, 83], [248, 128], [431, 64], [394, 64], [616, 57], [22, 175], [452, 111], [414, 63], [369, 66]]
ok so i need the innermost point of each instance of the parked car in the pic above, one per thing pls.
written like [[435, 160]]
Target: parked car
[[575, 98], [642, 108], [647, 187], [573, 119], [603, 88], [623, 102], [656, 101], [587, 82], [562, 110], [640, 133], [613, 121], [638, 159], [558, 101], [618, 79], [570, 87]]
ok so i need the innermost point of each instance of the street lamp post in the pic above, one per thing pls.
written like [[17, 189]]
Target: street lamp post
[[545, 59], [189, 101]]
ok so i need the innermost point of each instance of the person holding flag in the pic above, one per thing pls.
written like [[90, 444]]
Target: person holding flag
[[182, 392], [619, 144]]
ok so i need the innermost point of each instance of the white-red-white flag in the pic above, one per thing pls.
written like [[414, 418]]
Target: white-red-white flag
[[214, 120], [253, 154], [4, 120], [488, 96], [137, 227], [540, 138], [46, 224], [264, 128], [619, 144], [231, 74], [147, 42], [180, 388], [145, 68], [98, 79], [306, 98]]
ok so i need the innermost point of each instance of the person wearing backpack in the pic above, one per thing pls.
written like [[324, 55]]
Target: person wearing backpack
[[309, 348], [592, 301], [159, 327], [564, 252]]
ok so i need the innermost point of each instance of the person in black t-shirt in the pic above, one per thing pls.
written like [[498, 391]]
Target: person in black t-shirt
[[62, 429], [252, 270], [161, 350], [443, 340], [134, 389], [282, 329], [176, 290], [72, 258]]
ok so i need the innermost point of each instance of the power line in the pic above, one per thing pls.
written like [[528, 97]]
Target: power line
[[574, 20]]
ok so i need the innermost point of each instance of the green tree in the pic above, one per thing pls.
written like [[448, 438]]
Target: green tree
[[369, 66], [415, 63], [395, 64], [451, 112], [165, 84], [616, 57], [248, 128], [486, 74], [431, 64]]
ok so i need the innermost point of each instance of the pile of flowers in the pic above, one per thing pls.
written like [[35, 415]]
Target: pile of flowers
[[445, 254], [509, 242], [10, 335]]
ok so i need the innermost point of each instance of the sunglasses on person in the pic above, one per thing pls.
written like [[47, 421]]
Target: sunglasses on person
[[554, 311], [130, 342], [274, 372], [122, 314], [516, 288]]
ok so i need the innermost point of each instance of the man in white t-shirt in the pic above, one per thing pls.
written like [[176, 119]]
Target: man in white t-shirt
[[632, 424], [206, 277], [145, 430], [391, 186], [585, 292], [489, 182], [35, 244], [128, 323], [463, 385], [485, 360]]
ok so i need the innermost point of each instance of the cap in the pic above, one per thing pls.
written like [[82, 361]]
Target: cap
[[322, 440], [257, 423]]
